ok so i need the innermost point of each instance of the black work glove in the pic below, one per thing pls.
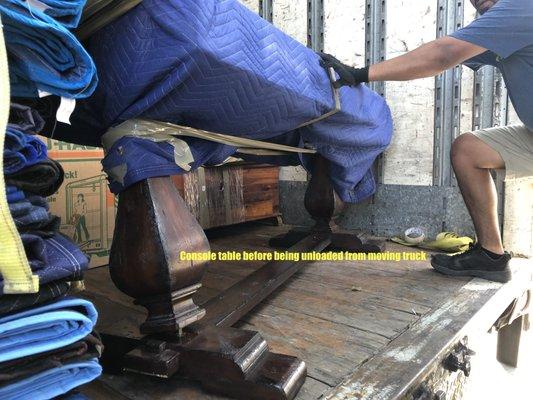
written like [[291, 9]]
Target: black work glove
[[349, 76]]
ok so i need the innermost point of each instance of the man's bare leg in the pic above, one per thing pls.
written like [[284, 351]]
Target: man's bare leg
[[472, 160]]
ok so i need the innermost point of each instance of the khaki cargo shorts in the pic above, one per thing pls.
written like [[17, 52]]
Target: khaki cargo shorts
[[514, 143]]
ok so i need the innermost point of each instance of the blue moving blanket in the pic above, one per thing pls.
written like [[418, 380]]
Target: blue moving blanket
[[54, 382], [21, 150], [25, 119], [53, 258], [14, 194], [32, 211], [215, 65], [44, 55], [45, 328]]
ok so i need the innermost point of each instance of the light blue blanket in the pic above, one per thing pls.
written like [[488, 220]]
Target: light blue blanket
[[45, 328], [52, 383], [43, 55]]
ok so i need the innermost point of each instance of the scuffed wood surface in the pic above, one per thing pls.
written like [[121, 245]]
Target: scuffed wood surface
[[451, 383], [408, 359], [230, 194], [330, 350]]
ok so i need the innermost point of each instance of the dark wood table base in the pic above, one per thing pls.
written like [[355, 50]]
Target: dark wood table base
[[340, 241], [228, 361], [153, 228]]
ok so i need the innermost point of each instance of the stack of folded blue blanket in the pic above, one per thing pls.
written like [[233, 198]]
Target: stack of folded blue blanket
[[47, 343], [48, 346], [30, 178], [48, 350]]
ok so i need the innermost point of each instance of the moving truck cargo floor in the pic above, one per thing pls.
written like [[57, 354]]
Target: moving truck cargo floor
[[366, 329]]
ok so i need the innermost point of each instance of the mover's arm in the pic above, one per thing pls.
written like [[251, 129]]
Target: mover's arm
[[427, 60]]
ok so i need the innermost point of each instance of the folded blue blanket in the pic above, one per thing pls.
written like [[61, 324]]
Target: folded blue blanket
[[53, 258], [54, 382], [44, 55], [66, 12], [32, 211], [215, 65], [25, 205], [35, 249], [45, 328], [22, 150], [63, 259], [14, 194], [25, 119]]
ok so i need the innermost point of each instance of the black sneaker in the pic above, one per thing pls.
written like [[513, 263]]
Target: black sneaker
[[474, 262]]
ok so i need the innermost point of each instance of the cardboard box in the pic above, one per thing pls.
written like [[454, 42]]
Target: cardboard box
[[86, 206]]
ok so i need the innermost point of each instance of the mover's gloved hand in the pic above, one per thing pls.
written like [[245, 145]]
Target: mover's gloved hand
[[349, 76]]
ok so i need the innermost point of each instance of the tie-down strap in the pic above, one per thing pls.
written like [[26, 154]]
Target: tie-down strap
[[170, 133], [163, 131]]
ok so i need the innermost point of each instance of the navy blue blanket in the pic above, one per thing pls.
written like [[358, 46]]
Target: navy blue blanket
[[217, 66], [25, 119], [21, 150], [53, 258]]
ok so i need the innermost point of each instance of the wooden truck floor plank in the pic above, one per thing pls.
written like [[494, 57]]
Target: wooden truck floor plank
[[475, 307], [333, 315], [330, 350]]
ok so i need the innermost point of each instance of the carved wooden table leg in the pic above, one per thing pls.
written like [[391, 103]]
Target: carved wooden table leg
[[153, 226], [323, 204]]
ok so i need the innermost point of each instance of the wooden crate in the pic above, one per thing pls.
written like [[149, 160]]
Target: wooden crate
[[230, 194]]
